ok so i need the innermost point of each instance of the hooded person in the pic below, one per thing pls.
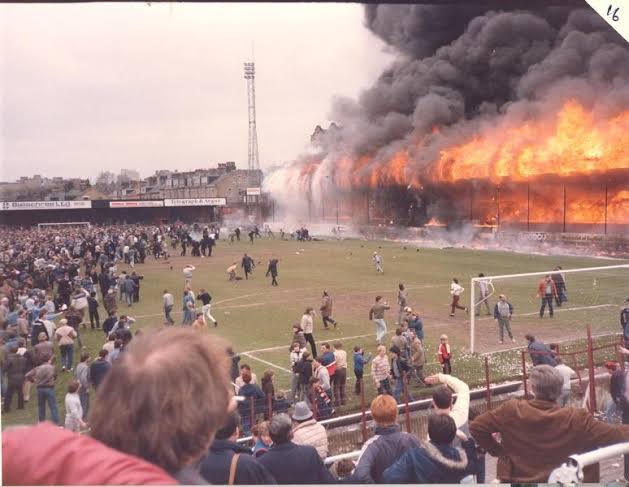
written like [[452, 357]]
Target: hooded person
[[307, 431]]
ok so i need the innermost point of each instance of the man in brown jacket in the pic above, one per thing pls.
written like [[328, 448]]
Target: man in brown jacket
[[326, 310], [538, 435]]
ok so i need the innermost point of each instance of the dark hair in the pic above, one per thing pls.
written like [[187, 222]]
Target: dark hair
[[245, 366], [481, 275], [401, 286], [73, 386], [441, 429], [529, 337], [398, 331], [161, 425], [246, 377], [356, 348], [85, 356], [442, 398], [102, 353], [378, 298], [232, 423], [325, 345], [456, 280]]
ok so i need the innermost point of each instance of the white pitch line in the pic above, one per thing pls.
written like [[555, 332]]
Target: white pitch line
[[267, 362]]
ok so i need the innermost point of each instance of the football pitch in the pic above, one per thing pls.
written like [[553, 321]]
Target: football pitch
[[257, 318]]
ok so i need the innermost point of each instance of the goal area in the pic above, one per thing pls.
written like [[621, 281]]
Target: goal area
[[43, 226], [571, 300]]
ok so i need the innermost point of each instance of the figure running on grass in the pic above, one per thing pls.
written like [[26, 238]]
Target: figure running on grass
[[377, 261]]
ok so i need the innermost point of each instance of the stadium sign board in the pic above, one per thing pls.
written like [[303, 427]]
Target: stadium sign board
[[136, 204], [195, 202], [45, 205], [254, 191]]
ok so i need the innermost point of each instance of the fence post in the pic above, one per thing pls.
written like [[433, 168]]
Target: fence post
[[251, 412], [269, 398], [592, 385], [524, 383], [407, 413], [363, 419], [487, 383], [576, 369]]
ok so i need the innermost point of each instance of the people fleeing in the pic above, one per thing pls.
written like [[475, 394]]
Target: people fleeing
[[360, 360], [247, 265], [206, 310], [272, 270], [444, 353], [307, 326], [547, 291], [402, 301], [455, 291], [326, 310], [540, 352], [485, 289], [377, 261], [387, 445], [567, 373], [530, 457], [376, 314], [168, 302], [503, 311], [381, 371]]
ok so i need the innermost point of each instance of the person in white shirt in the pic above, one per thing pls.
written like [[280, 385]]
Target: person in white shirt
[[239, 382], [74, 410], [485, 289], [169, 302], [567, 373], [187, 274], [307, 326], [377, 260], [455, 291]]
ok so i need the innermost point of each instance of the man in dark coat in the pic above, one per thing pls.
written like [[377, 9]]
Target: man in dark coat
[[247, 264], [272, 270], [540, 352], [215, 466], [99, 369], [289, 463], [16, 367]]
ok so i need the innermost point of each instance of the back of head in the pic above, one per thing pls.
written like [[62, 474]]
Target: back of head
[[441, 429], [442, 398], [232, 423], [161, 423], [384, 410], [546, 383], [280, 428]]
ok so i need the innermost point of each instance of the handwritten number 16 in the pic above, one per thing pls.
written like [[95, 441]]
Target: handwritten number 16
[[615, 14]]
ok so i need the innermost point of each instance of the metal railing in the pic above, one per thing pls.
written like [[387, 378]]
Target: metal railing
[[571, 472]]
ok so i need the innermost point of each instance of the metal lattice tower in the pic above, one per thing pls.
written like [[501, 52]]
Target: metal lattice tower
[[250, 74]]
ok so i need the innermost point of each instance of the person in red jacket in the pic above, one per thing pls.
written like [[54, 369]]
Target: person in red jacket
[[445, 354], [547, 291], [66, 458]]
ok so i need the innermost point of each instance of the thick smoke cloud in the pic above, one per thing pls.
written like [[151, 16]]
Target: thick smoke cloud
[[461, 68]]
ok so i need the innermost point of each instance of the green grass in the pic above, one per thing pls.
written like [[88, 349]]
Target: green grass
[[253, 315]]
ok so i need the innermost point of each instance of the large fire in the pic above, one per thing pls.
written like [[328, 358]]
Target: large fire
[[572, 144]]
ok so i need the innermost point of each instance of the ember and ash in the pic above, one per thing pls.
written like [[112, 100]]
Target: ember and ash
[[495, 117]]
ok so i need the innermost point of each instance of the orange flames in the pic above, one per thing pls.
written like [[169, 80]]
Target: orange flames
[[572, 142]]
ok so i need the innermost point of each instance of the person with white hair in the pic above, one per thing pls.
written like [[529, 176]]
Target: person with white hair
[[553, 433]]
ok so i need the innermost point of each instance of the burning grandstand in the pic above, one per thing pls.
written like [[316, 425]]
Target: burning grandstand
[[516, 118]]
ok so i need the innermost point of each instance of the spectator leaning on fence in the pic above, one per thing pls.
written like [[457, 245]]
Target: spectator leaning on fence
[[538, 435], [539, 351], [387, 444]]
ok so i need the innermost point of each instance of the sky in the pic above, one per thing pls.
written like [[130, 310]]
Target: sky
[[91, 87]]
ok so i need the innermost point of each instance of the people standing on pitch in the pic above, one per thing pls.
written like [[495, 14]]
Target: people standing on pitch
[[376, 314], [360, 360], [624, 322], [187, 274], [445, 354], [485, 288], [377, 261], [251, 235], [272, 270], [455, 291], [503, 311], [168, 301], [207, 307], [402, 298], [188, 308], [307, 326], [326, 310], [92, 303], [547, 291], [560, 284], [247, 265]]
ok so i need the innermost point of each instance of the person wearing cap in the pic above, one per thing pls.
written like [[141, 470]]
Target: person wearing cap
[[65, 335], [503, 311], [624, 322], [307, 431]]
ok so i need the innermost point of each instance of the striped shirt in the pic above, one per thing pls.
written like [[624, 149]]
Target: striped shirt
[[380, 368]]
